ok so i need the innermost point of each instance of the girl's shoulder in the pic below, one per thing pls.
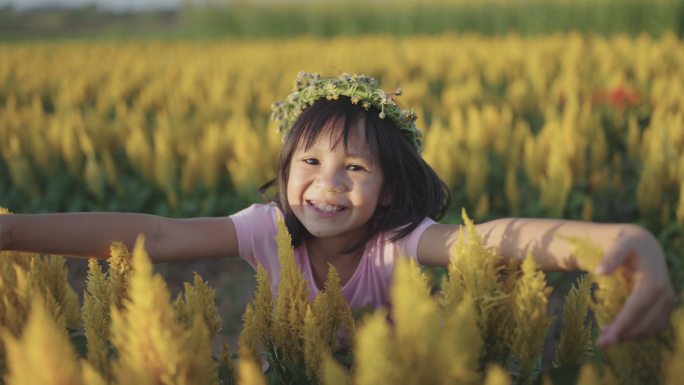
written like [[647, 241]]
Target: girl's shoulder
[[407, 245], [255, 228], [259, 211], [258, 218]]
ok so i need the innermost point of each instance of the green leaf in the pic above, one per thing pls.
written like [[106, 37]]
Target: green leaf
[[296, 373], [565, 375], [80, 344]]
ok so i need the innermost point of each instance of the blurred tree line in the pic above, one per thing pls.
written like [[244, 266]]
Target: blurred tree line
[[325, 18]]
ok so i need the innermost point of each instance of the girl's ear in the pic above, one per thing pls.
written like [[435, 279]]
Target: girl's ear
[[385, 197]]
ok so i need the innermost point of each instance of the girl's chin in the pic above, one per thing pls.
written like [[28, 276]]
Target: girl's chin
[[321, 232]]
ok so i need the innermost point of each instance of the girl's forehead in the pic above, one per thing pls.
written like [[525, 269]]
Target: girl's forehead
[[332, 137]]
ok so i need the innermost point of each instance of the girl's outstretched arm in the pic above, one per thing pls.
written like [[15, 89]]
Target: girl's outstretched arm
[[648, 308], [90, 235]]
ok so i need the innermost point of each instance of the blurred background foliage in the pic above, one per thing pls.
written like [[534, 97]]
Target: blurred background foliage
[[326, 18]]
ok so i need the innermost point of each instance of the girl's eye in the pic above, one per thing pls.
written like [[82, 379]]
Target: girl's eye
[[311, 161], [354, 167]]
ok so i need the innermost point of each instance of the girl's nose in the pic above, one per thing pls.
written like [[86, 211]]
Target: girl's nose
[[331, 181]]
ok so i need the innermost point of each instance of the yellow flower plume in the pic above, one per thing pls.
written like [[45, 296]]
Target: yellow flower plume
[[531, 322], [575, 337], [152, 347], [43, 354], [198, 299], [96, 318]]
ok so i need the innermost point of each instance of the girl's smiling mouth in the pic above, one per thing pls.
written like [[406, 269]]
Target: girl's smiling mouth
[[325, 209]]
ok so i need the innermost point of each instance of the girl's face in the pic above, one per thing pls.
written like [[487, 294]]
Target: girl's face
[[334, 194]]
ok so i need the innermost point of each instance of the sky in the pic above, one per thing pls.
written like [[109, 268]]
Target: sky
[[113, 5]]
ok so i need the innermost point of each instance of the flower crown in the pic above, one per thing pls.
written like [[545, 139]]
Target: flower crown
[[362, 89]]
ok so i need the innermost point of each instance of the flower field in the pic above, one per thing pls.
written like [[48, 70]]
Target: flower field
[[565, 125], [486, 326]]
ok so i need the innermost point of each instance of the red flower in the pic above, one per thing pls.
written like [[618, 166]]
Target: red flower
[[619, 97]]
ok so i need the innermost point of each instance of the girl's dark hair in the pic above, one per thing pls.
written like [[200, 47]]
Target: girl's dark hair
[[416, 190]]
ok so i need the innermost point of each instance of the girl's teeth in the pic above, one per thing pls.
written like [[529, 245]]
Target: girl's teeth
[[326, 207]]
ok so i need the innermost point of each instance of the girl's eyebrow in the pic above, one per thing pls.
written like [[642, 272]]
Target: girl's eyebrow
[[355, 155]]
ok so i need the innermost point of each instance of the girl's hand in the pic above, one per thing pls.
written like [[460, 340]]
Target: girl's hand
[[648, 308]]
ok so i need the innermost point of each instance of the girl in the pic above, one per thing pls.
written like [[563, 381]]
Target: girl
[[356, 194]]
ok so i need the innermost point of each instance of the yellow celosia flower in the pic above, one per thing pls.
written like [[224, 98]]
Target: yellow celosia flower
[[313, 345], [96, 319], [248, 341], [496, 375], [90, 375], [415, 315], [333, 372], [26, 283], [293, 349], [632, 362], [43, 354], [333, 312], [197, 364], [152, 347], [531, 322], [459, 344], [511, 188], [476, 174], [226, 359], [474, 270], [376, 361], [587, 210], [530, 304], [555, 185], [164, 159], [575, 337], [452, 345], [198, 299], [19, 166], [94, 176], [452, 288], [119, 271], [290, 307], [48, 275], [249, 371], [183, 315], [14, 304], [650, 187], [426, 345], [263, 304], [588, 375], [145, 333], [324, 308], [335, 308]]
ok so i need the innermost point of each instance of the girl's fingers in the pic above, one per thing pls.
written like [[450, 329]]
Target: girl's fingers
[[647, 309], [645, 312], [635, 306], [614, 332], [655, 320]]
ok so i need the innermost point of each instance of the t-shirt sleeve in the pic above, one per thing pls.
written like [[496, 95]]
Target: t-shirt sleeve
[[255, 227], [408, 245]]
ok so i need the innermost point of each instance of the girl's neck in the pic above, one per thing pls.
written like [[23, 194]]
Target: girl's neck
[[332, 251]]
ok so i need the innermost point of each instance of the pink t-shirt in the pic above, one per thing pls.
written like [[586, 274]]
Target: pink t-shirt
[[369, 285]]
